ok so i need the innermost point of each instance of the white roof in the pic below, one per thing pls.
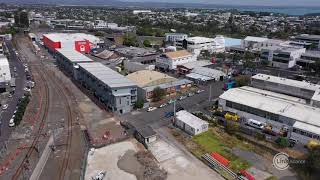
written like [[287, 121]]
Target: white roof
[[73, 55], [106, 75], [198, 39], [204, 71], [5, 75], [255, 39], [307, 127], [190, 119], [274, 104], [67, 37], [193, 64], [288, 82]]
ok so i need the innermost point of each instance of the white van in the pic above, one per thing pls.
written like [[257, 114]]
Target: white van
[[255, 124]]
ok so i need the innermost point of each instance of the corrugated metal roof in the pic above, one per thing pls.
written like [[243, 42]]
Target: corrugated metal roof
[[190, 119], [106, 75], [73, 55]]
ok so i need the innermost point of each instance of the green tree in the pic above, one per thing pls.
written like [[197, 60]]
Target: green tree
[[99, 34], [139, 104], [146, 43], [158, 94], [21, 19], [282, 142], [242, 80], [130, 40]]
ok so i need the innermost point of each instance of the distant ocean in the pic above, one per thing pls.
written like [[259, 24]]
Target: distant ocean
[[293, 11]]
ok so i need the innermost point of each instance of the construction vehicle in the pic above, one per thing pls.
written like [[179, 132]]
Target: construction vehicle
[[267, 129], [313, 144], [283, 131], [232, 116]]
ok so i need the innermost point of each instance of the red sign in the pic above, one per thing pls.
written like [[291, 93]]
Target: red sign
[[82, 46]]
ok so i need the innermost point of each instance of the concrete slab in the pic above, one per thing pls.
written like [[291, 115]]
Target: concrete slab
[[106, 159]]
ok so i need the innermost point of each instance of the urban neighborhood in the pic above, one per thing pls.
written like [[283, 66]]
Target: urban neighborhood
[[131, 90]]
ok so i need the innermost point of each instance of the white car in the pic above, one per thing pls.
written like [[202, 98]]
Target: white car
[[11, 122], [200, 91], [151, 109], [27, 89], [163, 105], [171, 101], [99, 176], [5, 106], [182, 97]]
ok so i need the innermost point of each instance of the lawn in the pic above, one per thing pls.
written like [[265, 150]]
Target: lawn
[[212, 141]]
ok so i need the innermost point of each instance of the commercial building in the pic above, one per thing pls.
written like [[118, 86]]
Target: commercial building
[[142, 11], [197, 44], [68, 58], [147, 81], [114, 90], [300, 89], [205, 74], [170, 60], [78, 41], [173, 37], [188, 67], [306, 38], [5, 75], [146, 135], [281, 56], [308, 58], [280, 110], [134, 52], [190, 123]]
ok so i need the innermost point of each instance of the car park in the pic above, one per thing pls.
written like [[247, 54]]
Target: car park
[[151, 109]]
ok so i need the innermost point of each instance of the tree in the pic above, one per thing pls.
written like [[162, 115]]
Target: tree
[[146, 43], [282, 142], [242, 80], [21, 19], [130, 40], [99, 34], [311, 168], [139, 104], [158, 94]]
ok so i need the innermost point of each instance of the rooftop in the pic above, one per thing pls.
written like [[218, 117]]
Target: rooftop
[[306, 127], [312, 54], [106, 75], [134, 51], [198, 39], [308, 36], [191, 65], [145, 78], [67, 37], [146, 132], [288, 82], [178, 54], [255, 39], [73, 55], [190, 119], [168, 84], [274, 104]]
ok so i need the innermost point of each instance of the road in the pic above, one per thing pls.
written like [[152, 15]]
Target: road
[[12, 102], [157, 118]]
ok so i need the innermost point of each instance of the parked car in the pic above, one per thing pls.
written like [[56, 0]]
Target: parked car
[[151, 109], [5, 106], [190, 94], [171, 101], [182, 98], [169, 114], [163, 105], [11, 122], [99, 176], [199, 91]]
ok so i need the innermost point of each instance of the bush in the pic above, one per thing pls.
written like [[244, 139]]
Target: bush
[[158, 94], [231, 127], [139, 104], [21, 109], [282, 142], [146, 43]]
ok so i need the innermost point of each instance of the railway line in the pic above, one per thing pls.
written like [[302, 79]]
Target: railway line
[[45, 77]]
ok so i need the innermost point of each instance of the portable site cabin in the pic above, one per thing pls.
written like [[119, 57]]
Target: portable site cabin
[[190, 123]]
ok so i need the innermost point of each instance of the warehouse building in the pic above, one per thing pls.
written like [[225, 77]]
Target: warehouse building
[[117, 92], [67, 59], [148, 80], [301, 89], [205, 74], [170, 60], [277, 109], [78, 41], [190, 123]]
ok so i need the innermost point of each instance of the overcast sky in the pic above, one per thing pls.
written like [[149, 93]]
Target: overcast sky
[[243, 2]]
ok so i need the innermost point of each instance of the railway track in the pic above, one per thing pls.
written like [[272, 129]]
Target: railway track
[[45, 76]]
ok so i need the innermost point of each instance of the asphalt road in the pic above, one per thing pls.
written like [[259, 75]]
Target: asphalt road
[[157, 117], [12, 102]]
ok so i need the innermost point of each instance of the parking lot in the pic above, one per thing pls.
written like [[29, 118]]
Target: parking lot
[[18, 72]]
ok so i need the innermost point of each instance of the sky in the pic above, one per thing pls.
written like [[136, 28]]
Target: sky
[[243, 2]]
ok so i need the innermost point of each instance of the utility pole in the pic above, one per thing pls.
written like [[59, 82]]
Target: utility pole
[[174, 108], [210, 93]]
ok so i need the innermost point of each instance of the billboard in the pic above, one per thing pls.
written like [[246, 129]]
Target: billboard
[[82, 46]]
